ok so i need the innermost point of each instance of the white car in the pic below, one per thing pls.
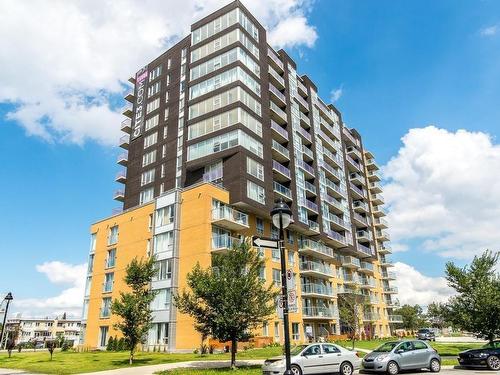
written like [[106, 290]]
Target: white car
[[318, 358]]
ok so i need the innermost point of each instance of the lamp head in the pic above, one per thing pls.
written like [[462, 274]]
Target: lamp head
[[281, 208], [9, 297]]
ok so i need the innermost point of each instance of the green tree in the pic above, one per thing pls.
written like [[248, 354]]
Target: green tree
[[438, 315], [228, 299], [476, 307], [134, 307], [350, 309], [413, 317]]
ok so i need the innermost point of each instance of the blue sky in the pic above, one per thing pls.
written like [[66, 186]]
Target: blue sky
[[399, 66]]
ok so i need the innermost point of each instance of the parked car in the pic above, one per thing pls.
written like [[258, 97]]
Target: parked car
[[487, 356], [316, 358], [394, 356], [426, 334]]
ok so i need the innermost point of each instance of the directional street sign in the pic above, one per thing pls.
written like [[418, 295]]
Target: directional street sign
[[270, 243]]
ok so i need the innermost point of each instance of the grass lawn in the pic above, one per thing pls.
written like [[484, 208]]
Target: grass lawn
[[74, 363], [251, 370]]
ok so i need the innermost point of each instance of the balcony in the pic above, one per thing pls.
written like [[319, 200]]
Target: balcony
[[350, 137], [127, 110], [379, 211], [302, 88], [122, 159], [371, 164], [335, 190], [380, 223], [307, 153], [333, 203], [370, 316], [372, 299], [350, 262], [330, 171], [353, 163], [313, 227], [121, 177], [336, 239], [382, 235], [310, 188], [285, 192], [303, 104], [392, 304], [374, 176], [328, 141], [317, 290], [281, 133], [357, 193], [360, 206], [332, 130], [360, 221], [384, 262], [357, 178], [384, 249], [305, 120], [280, 153], [367, 282], [221, 243], [303, 132], [316, 249], [395, 319], [366, 267], [310, 268], [119, 195], [229, 218], [275, 60], [350, 279], [353, 151], [319, 312], [214, 175], [126, 126], [276, 78], [311, 206], [375, 187], [309, 170], [388, 275], [283, 173], [338, 223], [129, 96], [124, 141], [377, 199], [364, 251], [277, 95], [390, 289], [278, 114], [363, 236]]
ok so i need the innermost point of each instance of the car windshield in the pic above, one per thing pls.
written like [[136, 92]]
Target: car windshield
[[387, 347], [296, 350], [423, 330]]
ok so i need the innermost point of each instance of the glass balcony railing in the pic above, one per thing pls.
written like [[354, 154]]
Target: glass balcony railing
[[365, 249], [281, 149], [278, 110], [313, 225], [313, 288], [279, 129], [319, 312], [348, 261], [281, 168], [274, 58], [305, 134], [308, 244], [276, 76], [316, 267], [311, 205], [366, 266], [310, 187], [283, 190], [224, 242], [277, 92], [395, 318], [230, 214], [302, 164]]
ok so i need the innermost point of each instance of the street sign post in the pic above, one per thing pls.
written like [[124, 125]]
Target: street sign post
[[292, 303], [270, 243]]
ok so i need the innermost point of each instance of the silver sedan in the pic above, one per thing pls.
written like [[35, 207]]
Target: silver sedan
[[394, 356], [318, 358]]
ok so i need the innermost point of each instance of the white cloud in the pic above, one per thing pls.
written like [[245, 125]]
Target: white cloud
[[416, 288], [64, 62], [489, 31], [69, 301], [335, 94], [443, 192]]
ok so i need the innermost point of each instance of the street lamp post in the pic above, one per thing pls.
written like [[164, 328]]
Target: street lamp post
[[7, 298], [282, 216]]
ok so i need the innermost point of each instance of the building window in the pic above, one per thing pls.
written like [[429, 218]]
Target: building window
[[147, 177], [148, 158], [262, 273], [155, 73], [163, 269], [163, 151], [256, 192], [154, 89], [108, 282], [158, 334], [255, 169], [289, 236], [291, 258], [150, 140], [265, 329], [165, 215], [106, 307], [295, 332], [276, 277], [146, 195], [88, 283], [164, 242], [90, 266], [103, 336], [277, 331], [111, 258], [113, 235], [93, 238], [165, 116], [162, 300], [275, 255], [152, 105], [151, 122]]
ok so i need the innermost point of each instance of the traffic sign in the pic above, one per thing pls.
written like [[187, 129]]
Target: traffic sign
[[290, 279], [292, 303], [270, 243]]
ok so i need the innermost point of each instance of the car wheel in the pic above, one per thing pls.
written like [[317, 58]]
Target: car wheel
[[392, 368], [493, 363], [435, 365], [346, 368], [296, 370]]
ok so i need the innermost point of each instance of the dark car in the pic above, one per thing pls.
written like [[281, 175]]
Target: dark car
[[488, 355], [426, 334]]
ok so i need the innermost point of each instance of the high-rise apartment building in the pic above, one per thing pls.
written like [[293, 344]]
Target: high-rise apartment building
[[217, 128]]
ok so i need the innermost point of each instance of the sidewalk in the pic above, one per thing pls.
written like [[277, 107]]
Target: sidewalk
[[149, 370], [7, 371]]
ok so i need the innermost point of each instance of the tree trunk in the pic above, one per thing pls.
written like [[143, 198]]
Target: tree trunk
[[233, 353], [131, 357]]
